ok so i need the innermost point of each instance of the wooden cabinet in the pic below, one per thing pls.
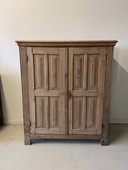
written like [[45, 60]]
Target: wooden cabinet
[[66, 89], [1, 111]]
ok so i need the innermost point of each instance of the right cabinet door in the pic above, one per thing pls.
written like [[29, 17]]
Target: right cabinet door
[[86, 77]]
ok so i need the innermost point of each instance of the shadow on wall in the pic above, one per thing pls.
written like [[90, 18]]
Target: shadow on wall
[[11, 98], [4, 107], [119, 90]]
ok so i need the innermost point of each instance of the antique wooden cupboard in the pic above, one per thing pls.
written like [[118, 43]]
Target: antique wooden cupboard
[[66, 89], [1, 111]]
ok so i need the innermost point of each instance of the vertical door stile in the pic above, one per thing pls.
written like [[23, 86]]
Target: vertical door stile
[[84, 117], [62, 86], [101, 80], [31, 89], [70, 87], [66, 89], [60, 75], [46, 88]]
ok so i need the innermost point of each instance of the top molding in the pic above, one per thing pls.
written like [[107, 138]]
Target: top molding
[[90, 43]]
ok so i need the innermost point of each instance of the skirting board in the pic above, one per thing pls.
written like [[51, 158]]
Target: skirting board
[[119, 121]]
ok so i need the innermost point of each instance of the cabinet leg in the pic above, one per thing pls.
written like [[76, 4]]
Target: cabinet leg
[[105, 137], [104, 142], [27, 139]]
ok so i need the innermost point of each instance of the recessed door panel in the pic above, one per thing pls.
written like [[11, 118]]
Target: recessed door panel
[[54, 112], [77, 112], [53, 72], [78, 72], [92, 72]]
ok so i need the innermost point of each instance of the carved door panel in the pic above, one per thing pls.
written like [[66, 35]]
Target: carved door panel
[[47, 89], [86, 76]]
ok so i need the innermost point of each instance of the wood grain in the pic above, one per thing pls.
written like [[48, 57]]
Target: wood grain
[[89, 43], [66, 89], [104, 139], [25, 96], [86, 92], [47, 99]]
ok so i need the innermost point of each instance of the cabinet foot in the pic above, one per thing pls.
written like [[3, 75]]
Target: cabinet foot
[[104, 142], [27, 141]]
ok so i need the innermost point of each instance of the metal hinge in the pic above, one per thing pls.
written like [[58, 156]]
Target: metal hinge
[[26, 58], [69, 94], [102, 130], [105, 60]]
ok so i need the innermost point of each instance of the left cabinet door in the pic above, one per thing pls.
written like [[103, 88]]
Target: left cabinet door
[[47, 89]]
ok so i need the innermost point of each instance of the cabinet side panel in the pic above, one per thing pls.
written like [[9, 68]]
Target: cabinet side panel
[[100, 84], [25, 98], [104, 140]]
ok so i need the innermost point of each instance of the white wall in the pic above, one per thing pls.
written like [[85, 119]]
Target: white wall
[[62, 20]]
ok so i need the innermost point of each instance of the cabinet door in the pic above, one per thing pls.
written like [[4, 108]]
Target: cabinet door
[[86, 90], [47, 89]]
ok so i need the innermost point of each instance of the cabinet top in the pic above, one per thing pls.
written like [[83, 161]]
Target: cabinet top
[[89, 43]]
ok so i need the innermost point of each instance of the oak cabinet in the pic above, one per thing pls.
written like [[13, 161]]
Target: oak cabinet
[[1, 113], [1, 110], [66, 89]]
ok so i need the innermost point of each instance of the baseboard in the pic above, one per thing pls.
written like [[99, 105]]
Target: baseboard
[[13, 122], [119, 121]]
